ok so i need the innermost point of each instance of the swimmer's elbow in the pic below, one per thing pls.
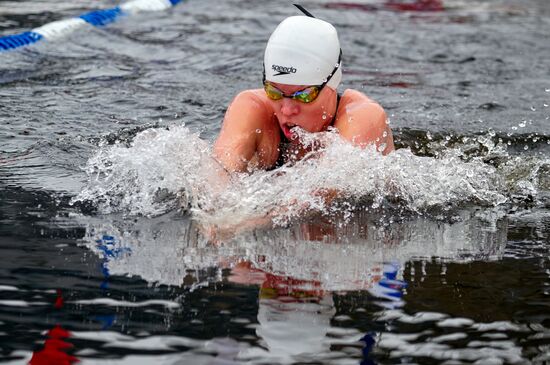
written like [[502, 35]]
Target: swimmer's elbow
[[228, 159]]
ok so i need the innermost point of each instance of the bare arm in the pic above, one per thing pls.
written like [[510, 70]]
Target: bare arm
[[238, 140]]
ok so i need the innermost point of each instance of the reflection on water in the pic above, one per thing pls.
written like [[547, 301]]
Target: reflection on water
[[335, 253], [56, 347], [301, 272]]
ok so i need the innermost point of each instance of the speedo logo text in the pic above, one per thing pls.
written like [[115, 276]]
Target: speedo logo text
[[282, 70]]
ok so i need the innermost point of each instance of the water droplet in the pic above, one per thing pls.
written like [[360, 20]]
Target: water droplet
[[514, 128], [385, 134], [448, 138], [522, 124], [545, 105], [526, 147], [547, 90], [324, 116], [258, 131], [388, 121]]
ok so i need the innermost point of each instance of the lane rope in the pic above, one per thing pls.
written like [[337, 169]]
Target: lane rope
[[96, 18]]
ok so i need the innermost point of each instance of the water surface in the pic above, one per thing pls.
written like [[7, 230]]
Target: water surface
[[437, 254]]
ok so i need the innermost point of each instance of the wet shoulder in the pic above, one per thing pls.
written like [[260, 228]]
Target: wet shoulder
[[360, 119], [253, 98], [355, 97], [353, 102], [249, 109]]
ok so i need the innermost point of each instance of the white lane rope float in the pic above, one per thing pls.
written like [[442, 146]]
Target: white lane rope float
[[96, 18]]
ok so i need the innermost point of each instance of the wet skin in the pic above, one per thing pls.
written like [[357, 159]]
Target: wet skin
[[250, 135]]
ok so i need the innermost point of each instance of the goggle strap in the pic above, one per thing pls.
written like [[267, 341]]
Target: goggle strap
[[303, 10]]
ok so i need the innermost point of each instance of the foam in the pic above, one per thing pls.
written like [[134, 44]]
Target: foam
[[165, 168]]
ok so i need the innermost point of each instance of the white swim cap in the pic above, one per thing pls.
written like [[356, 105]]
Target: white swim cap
[[303, 51]]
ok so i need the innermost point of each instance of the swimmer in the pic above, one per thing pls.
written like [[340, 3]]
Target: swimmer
[[302, 71]]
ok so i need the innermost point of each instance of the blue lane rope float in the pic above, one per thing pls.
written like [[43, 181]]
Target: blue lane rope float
[[96, 18], [99, 18]]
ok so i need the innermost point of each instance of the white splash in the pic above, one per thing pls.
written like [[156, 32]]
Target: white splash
[[160, 170], [165, 168]]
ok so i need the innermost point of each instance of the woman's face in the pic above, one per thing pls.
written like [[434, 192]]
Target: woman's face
[[312, 117]]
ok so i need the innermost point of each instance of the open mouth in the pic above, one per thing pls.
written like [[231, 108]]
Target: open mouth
[[287, 130]]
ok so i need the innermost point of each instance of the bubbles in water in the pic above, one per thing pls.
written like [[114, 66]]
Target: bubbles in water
[[382, 147], [258, 131], [522, 124], [324, 116]]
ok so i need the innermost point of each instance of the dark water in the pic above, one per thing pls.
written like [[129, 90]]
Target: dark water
[[457, 271]]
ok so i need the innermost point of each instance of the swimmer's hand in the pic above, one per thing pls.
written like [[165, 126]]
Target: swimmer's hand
[[218, 234]]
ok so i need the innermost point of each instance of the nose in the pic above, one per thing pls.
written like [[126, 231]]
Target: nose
[[289, 107]]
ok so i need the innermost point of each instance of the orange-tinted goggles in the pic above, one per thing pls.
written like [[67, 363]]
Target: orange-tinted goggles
[[306, 95]]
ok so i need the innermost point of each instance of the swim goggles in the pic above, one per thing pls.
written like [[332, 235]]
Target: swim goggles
[[306, 95]]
